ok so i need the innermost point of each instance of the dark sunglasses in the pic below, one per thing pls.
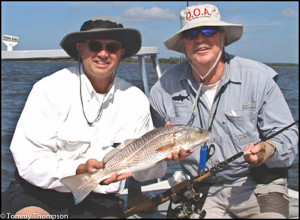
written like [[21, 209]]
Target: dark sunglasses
[[205, 31], [96, 46]]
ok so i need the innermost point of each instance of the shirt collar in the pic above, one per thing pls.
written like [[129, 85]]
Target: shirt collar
[[228, 74], [186, 71], [91, 92], [86, 84], [230, 71]]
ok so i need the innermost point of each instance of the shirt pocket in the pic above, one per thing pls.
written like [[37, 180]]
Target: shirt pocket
[[73, 146], [242, 126], [73, 141]]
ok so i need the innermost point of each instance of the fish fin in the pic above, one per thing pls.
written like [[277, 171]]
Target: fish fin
[[80, 185], [114, 151], [165, 148]]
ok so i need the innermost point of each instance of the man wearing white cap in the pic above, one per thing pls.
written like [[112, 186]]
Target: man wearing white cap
[[240, 103]]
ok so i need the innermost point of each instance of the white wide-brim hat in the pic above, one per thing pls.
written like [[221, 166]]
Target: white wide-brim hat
[[203, 15]]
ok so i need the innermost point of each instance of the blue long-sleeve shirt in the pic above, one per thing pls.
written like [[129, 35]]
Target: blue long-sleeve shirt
[[251, 106]]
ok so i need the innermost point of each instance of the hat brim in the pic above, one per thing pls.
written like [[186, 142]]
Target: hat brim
[[131, 39], [233, 33]]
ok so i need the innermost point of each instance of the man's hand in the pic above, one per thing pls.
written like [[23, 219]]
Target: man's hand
[[182, 153], [92, 165], [115, 178], [258, 154]]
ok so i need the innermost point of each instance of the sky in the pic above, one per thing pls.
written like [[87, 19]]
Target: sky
[[270, 35]]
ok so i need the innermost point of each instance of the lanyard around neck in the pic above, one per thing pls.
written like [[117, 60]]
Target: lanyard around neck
[[215, 111], [195, 103]]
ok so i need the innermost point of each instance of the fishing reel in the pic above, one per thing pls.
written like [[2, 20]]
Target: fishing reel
[[187, 210], [189, 204]]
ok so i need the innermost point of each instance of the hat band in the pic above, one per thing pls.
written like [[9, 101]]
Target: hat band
[[99, 24]]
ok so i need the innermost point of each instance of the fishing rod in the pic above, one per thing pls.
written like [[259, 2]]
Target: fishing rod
[[175, 190]]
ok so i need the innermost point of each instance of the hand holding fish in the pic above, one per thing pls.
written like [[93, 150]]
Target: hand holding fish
[[134, 156], [256, 155], [168, 123], [182, 153], [115, 178], [92, 165]]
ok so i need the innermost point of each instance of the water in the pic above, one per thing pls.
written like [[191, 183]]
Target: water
[[17, 79]]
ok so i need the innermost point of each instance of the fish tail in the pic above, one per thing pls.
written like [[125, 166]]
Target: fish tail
[[80, 185]]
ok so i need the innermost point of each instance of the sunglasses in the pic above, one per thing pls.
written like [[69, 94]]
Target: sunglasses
[[205, 31], [96, 46]]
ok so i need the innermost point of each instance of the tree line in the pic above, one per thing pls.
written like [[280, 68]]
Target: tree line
[[170, 60], [176, 60]]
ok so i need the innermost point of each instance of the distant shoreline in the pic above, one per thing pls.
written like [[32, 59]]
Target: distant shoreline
[[282, 64], [170, 61]]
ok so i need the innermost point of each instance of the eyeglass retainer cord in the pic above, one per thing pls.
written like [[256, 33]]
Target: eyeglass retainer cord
[[100, 109]]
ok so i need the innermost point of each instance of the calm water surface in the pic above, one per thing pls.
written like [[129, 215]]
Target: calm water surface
[[17, 79]]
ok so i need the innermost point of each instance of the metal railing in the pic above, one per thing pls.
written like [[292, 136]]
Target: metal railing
[[61, 54]]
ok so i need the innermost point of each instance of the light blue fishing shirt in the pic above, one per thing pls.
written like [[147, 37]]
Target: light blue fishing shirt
[[251, 106]]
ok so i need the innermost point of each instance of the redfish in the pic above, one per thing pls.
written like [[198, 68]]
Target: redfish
[[138, 154]]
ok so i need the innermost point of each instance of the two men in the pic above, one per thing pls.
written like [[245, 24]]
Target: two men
[[73, 116]]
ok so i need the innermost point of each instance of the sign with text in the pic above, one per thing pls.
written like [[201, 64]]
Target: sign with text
[[10, 38]]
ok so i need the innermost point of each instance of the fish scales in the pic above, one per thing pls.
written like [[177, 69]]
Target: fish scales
[[137, 155], [159, 137]]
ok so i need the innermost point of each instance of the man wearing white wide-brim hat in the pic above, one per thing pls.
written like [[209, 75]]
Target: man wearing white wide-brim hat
[[237, 100]]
